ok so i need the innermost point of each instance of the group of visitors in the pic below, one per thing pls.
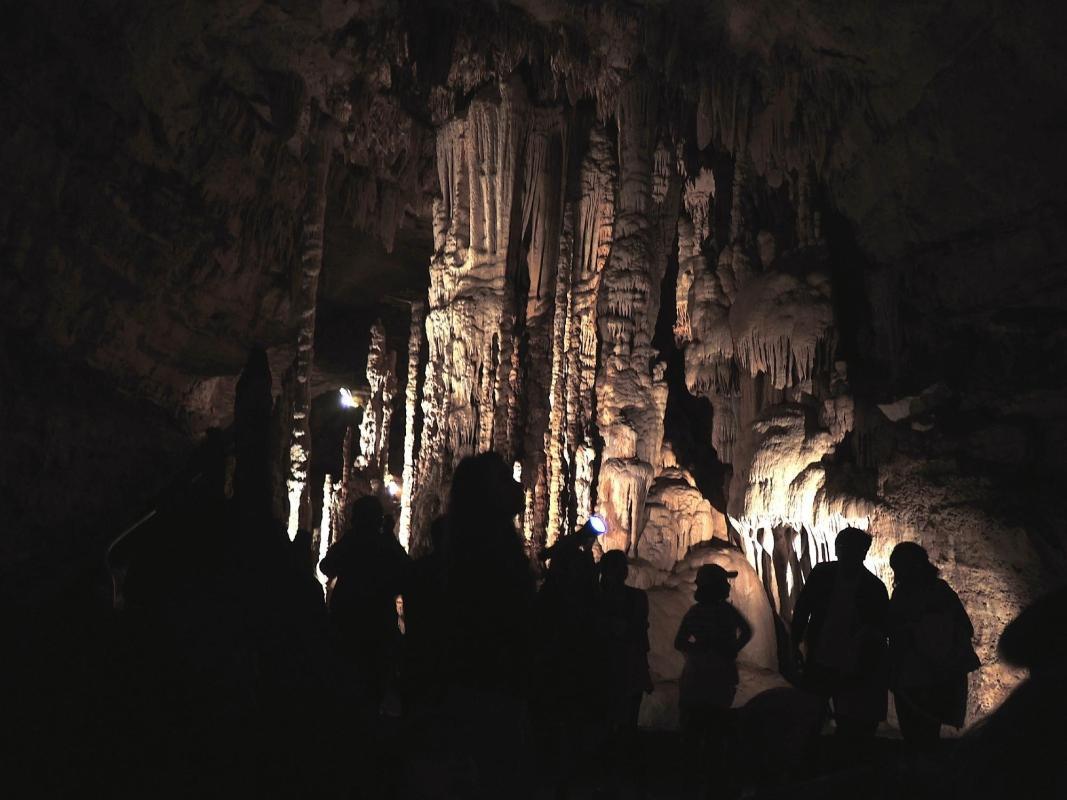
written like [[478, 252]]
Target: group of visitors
[[854, 641], [467, 671], [853, 644], [461, 641]]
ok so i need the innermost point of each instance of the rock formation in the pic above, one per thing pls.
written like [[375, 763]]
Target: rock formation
[[411, 400], [320, 152], [853, 224]]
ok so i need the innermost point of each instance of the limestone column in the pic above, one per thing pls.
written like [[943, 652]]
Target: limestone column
[[319, 153], [418, 312]]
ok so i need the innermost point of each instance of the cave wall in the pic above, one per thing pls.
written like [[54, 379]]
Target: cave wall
[[867, 253]]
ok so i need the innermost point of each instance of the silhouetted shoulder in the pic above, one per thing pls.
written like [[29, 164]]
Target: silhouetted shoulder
[[875, 585]]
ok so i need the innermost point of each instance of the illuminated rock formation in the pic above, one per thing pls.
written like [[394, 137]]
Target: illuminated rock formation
[[319, 155], [469, 327], [373, 458], [678, 517], [594, 235], [631, 395], [540, 226], [411, 400], [164, 199], [555, 437]]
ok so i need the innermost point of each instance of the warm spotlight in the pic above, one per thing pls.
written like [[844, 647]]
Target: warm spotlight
[[393, 487]]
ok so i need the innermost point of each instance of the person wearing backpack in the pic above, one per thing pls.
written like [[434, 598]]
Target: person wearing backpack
[[930, 649]]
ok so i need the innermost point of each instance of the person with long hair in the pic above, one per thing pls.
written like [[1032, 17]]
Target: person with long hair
[[930, 652]]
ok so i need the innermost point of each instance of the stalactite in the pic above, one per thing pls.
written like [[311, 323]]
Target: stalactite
[[313, 223], [411, 399], [698, 198], [758, 344]]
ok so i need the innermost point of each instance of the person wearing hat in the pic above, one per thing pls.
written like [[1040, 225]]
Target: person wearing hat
[[711, 635], [840, 627]]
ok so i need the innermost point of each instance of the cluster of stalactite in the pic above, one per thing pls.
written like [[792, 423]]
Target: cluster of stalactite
[[758, 330], [365, 452], [552, 233]]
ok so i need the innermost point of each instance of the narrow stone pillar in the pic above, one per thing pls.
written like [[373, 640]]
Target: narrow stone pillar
[[319, 153], [410, 475]]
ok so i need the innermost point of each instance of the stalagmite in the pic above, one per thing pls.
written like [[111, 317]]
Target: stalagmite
[[411, 397]]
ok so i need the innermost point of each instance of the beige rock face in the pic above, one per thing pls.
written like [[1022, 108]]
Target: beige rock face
[[678, 517], [989, 561]]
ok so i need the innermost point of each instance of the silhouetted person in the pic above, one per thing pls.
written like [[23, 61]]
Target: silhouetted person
[[424, 620], [571, 658], [488, 584], [371, 569], [930, 652], [1017, 751], [488, 595], [841, 619], [624, 615], [623, 612], [711, 635]]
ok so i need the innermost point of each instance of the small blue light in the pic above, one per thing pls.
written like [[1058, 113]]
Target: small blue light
[[597, 523]]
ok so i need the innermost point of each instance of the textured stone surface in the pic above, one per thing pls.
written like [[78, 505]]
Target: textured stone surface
[[856, 223]]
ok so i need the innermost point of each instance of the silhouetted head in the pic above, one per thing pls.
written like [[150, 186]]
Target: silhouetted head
[[613, 568], [910, 563], [569, 564], [1037, 638], [852, 546], [483, 486], [366, 516], [713, 583]]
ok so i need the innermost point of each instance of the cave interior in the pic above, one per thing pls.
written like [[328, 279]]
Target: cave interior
[[732, 276]]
